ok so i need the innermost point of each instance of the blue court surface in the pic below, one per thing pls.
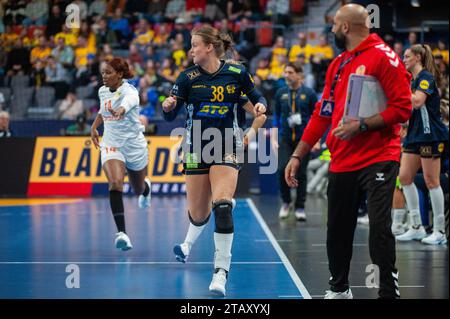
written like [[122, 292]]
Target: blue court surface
[[47, 247]]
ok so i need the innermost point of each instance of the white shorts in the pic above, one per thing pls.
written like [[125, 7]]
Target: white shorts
[[134, 153]]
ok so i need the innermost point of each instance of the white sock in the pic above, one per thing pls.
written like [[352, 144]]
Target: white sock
[[399, 216], [193, 233], [412, 200], [437, 203], [222, 256]]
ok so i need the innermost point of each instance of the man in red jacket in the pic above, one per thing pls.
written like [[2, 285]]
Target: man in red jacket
[[365, 154]]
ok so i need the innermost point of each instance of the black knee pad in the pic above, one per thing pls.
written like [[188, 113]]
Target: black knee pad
[[223, 215]]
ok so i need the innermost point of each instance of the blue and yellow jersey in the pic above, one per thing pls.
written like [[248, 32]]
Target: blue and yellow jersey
[[288, 102], [213, 99], [425, 124]]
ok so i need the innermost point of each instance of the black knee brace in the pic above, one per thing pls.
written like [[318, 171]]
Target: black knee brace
[[224, 219], [198, 224]]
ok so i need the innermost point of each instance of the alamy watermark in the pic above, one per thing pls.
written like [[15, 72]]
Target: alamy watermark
[[212, 145], [373, 277], [73, 279]]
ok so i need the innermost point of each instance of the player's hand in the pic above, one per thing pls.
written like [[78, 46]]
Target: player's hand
[[169, 104], [95, 137], [119, 113], [346, 131], [316, 148], [260, 109], [291, 171], [246, 142]]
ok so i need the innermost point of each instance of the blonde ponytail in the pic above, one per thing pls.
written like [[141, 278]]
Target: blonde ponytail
[[427, 61]]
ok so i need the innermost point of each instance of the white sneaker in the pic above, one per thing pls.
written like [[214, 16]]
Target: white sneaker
[[284, 211], [398, 229], [436, 238], [338, 295], [413, 234], [144, 201], [363, 220], [218, 282], [122, 241], [300, 215], [182, 252]]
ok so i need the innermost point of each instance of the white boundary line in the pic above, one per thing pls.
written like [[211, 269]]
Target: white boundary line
[[279, 251]]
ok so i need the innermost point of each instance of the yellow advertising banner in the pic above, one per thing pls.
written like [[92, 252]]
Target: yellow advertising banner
[[76, 160]]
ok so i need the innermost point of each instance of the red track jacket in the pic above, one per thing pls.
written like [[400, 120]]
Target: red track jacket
[[371, 147]]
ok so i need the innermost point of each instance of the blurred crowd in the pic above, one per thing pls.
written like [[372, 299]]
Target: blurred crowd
[[40, 43]]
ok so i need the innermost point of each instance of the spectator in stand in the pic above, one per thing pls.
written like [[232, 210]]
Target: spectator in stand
[[36, 13], [175, 8], [279, 9], [88, 75], [135, 70], [69, 36], [441, 50], [168, 70], [134, 55], [112, 6], [37, 76], [277, 66], [56, 76], [5, 131], [103, 34], [263, 70], [151, 54], [9, 38], [14, 12], [321, 57], [150, 76], [107, 52], [70, 107], [41, 52], [18, 60], [155, 10], [81, 53], [89, 35], [79, 128], [323, 51], [63, 54], [162, 36], [119, 24], [235, 9], [310, 80], [55, 21], [279, 48], [412, 40], [143, 35], [215, 9], [97, 8], [443, 70], [181, 28], [178, 54], [302, 47], [398, 48]]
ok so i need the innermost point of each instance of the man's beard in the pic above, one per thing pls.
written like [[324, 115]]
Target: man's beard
[[340, 41]]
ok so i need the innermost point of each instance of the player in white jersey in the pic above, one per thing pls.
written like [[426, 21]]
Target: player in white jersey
[[123, 146]]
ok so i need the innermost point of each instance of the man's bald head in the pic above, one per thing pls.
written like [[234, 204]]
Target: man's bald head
[[351, 25], [353, 14]]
